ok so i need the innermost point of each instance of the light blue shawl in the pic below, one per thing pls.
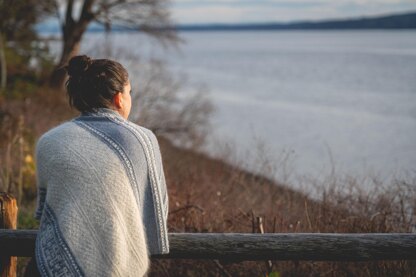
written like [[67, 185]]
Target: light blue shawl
[[102, 198]]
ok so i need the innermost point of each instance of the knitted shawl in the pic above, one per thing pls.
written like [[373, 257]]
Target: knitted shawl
[[102, 199]]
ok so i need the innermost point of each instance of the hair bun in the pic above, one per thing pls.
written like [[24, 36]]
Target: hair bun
[[78, 65]]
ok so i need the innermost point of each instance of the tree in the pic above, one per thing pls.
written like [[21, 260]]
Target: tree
[[150, 16], [17, 20]]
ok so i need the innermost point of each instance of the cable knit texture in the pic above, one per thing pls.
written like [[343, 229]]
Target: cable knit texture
[[102, 198]]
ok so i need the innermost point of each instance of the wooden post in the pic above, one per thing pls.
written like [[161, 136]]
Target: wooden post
[[269, 264], [8, 220]]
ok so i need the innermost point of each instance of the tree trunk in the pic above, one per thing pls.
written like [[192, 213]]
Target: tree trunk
[[72, 32], [3, 65], [70, 49]]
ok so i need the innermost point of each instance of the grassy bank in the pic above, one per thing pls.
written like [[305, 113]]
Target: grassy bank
[[209, 195]]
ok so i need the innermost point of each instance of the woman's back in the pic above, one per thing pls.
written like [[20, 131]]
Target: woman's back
[[91, 219], [102, 197]]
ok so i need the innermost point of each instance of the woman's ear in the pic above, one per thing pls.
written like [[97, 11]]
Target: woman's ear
[[118, 100]]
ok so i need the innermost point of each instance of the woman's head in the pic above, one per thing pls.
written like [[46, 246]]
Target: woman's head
[[99, 83]]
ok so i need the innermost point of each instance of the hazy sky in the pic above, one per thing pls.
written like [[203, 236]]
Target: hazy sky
[[232, 11]]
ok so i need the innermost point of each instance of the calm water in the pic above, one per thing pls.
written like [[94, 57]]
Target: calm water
[[341, 100]]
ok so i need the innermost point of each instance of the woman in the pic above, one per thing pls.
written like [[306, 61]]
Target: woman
[[102, 199]]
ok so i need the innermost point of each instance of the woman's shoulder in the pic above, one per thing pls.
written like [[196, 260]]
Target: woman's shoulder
[[61, 133], [58, 130], [143, 130]]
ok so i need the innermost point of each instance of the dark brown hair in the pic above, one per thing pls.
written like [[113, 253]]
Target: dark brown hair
[[93, 83]]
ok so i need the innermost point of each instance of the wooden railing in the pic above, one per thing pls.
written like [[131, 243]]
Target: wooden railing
[[233, 246], [242, 247]]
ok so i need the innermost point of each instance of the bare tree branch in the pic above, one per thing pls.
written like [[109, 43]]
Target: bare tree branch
[[57, 13], [69, 20], [86, 12], [149, 16]]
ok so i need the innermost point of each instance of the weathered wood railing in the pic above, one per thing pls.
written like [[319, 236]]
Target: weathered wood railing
[[239, 247], [231, 246]]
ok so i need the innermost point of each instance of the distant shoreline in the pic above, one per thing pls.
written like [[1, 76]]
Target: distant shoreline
[[402, 21], [405, 21]]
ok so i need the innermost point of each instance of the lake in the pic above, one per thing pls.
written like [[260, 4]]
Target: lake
[[318, 101]]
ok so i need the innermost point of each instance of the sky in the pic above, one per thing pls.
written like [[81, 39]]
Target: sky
[[251, 11]]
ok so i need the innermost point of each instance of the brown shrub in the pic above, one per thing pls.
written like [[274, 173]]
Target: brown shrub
[[208, 195]]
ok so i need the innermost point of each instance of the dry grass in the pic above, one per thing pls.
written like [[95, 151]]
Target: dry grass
[[208, 195], [22, 121]]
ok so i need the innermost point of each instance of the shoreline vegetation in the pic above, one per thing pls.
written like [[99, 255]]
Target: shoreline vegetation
[[209, 195]]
